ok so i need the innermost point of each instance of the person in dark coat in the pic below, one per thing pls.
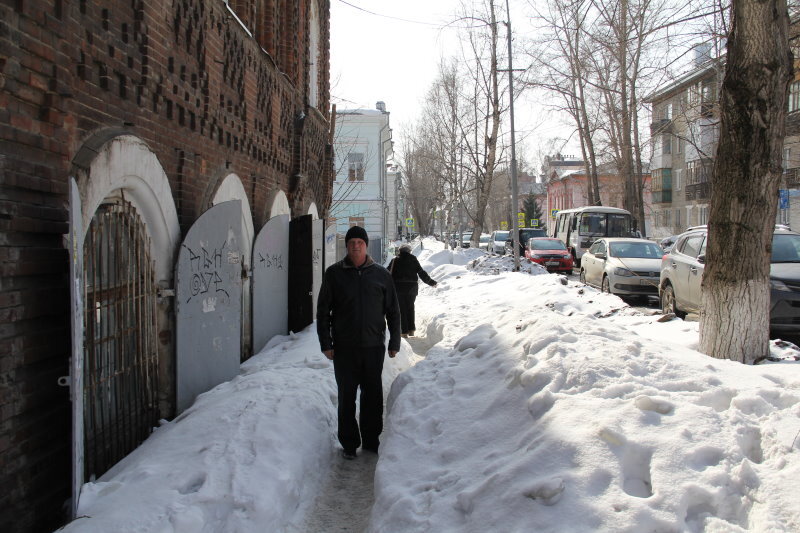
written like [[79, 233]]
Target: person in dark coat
[[405, 269], [356, 302]]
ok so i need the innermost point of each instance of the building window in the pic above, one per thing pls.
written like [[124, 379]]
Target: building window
[[668, 111], [356, 221], [787, 152], [666, 143], [677, 218], [703, 215], [667, 217], [678, 179], [794, 96], [678, 145], [355, 166]]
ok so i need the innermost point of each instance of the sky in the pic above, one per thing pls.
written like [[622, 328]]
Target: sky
[[528, 402], [390, 51]]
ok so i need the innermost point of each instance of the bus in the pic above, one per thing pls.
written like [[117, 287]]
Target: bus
[[578, 228]]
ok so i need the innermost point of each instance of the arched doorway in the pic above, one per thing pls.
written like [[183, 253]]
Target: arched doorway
[[125, 219]]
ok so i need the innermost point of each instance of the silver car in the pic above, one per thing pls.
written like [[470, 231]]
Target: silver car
[[623, 266], [497, 242]]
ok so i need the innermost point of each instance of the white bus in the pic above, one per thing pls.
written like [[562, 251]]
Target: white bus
[[578, 228]]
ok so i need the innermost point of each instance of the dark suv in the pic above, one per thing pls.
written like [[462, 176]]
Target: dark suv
[[682, 273]]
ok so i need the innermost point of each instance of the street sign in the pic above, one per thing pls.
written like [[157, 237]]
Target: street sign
[[504, 225], [553, 213], [783, 195], [534, 222], [410, 222], [521, 219]]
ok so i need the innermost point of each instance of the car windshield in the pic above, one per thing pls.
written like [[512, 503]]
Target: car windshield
[[640, 250], [547, 244], [785, 249], [501, 236], [485, 238]]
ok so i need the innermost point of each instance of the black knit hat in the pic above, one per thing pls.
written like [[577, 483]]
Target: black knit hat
[[356, 232]]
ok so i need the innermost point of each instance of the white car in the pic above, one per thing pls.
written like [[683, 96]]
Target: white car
[[497, 242], [483, 242], [625, 267]]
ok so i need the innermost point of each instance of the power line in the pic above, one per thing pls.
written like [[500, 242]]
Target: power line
[[449, 24]]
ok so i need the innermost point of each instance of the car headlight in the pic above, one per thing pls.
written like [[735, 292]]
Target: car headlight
[[777, 285], [622, 272]]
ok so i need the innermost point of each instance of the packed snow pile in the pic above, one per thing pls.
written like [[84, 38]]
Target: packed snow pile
[[542, 405]]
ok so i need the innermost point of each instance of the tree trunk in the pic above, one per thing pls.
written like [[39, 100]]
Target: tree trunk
[[747, 170]]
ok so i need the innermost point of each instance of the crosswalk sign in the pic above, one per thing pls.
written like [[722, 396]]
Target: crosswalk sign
[[534, 222], [410, 222]]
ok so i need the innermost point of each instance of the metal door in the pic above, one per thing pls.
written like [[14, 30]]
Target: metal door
[[271, 281], [317, 263], [301, 290], [76, 361], [208, 294]]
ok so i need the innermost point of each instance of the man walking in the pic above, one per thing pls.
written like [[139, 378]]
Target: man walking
[[356, 302]]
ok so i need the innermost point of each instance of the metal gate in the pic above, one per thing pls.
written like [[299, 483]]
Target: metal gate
[[208, 294], [120, 396], [270, 281]]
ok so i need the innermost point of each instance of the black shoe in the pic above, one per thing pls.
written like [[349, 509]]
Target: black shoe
[[372, 448], [349, 454]]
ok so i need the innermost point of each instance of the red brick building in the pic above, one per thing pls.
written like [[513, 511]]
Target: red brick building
[[158, 111]]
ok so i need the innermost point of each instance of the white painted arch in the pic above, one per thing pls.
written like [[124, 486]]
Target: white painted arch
[[231, 188], [280, 205], [126, 167]]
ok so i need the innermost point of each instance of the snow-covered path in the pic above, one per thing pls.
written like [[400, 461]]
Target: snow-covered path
[[345, 501], [540, 404]]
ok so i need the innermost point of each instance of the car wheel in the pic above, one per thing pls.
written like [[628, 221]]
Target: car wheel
[[606, 287], [668, 304], [583, 276]]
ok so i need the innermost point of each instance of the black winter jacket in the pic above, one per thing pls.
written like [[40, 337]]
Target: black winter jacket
[[405, 268], [355, 305]]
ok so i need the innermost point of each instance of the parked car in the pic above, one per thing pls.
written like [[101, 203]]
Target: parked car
[[483, 242], [497, 242], [667, 242], [623, 266], [465, 238], [525, 234], [682, 273], [549, 252]]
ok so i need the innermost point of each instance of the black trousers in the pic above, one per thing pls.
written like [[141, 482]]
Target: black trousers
[[362, 368], [406, 296]]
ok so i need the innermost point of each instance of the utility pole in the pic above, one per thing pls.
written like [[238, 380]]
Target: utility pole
[[514, 201]]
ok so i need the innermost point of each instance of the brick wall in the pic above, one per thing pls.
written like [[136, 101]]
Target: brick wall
[[209, 99]]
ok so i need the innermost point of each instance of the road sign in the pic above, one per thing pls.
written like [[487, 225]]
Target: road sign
[[783, 195], [553, 213], [504, 225], [521, 219], [534, 222], [410, 222]]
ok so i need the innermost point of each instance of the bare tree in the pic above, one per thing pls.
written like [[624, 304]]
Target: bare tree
[[734, 323]]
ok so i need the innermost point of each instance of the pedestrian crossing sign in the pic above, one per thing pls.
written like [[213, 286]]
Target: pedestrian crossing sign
[[410, 222]]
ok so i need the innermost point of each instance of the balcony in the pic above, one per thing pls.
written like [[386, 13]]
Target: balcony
[[792, 177], [660, 125], [662, 197], [698, 191], [661, 161]]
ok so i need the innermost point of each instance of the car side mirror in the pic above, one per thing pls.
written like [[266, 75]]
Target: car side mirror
[[600, 255], [701, 259]]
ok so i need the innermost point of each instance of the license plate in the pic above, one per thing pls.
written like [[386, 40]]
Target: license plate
[[645, 282], [552, 263]]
